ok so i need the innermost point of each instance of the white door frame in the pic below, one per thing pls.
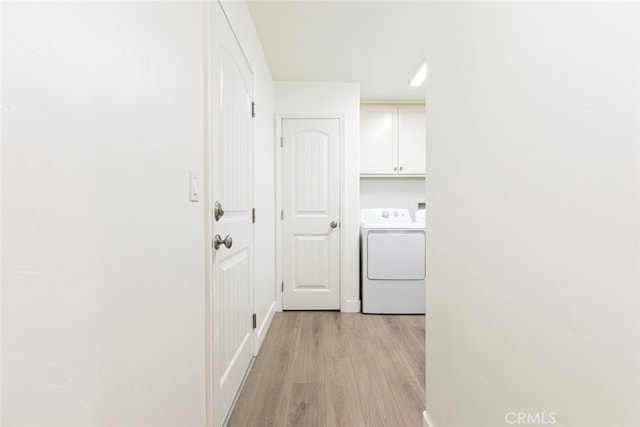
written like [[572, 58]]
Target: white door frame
[[278, 191], [208, 214]]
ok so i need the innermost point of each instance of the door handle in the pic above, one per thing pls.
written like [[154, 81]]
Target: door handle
[[218, 240], [217, 211], [333, 224]]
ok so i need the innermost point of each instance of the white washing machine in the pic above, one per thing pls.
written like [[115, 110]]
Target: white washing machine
[[393, 262]]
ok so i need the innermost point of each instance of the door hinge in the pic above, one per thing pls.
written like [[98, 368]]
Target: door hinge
[[281, 215], [255, 320], [282, 287], [253, 215], [253, 109], [281, 142]]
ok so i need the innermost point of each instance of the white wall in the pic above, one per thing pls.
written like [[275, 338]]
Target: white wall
[[102, 281], [264, 166], [403, 193], [298, 99], [533, 242]]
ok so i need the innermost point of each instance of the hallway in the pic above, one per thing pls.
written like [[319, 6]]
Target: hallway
[[336, 369]]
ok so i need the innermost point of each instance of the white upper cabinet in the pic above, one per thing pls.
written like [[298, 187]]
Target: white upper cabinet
[[378, 139], [411, 140], [392, 140]]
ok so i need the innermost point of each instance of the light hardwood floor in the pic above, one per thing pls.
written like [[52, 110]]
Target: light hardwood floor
[[336, 369]]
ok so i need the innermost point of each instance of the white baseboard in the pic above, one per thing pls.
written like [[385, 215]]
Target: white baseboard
[[262, 330], [352, 306], [426, 421]]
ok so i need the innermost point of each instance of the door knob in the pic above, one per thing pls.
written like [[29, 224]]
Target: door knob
[[333, 224], [217, 211], [218, 240]]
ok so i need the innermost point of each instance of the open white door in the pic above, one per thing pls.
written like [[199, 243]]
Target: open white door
[[311, 214], [231, 170]]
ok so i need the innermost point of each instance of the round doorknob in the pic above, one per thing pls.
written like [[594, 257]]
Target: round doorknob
[[218, 241], [334, 224]]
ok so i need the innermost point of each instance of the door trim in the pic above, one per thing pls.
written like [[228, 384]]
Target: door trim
[[279, 205], [208, 213]]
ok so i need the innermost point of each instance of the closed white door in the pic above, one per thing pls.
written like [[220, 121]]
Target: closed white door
[[231, 166], [311, 214]]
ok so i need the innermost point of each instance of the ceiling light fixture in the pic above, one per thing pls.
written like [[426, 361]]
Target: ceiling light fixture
[[420, 76]]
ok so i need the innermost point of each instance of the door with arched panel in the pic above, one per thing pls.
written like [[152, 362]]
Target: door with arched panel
[[311, 213], [231, 224]]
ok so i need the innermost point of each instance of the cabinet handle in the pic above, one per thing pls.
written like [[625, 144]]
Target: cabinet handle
[[400, 168], [395, 168]]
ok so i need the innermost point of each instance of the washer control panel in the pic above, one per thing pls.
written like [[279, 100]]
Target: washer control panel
[[385, 215]]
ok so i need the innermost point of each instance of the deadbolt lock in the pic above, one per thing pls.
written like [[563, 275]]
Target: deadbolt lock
[[217, 211]]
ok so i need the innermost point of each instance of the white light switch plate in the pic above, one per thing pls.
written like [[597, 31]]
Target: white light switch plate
[[194, 186]]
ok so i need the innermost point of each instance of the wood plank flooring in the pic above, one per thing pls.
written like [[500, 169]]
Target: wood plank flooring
[[336, 369]]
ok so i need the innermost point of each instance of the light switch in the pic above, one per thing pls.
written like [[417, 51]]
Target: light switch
[[194, 187]]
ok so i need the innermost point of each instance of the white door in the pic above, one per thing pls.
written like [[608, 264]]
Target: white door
[[231, 166], [311, 214]]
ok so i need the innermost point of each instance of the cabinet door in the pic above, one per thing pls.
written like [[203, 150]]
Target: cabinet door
[[378, 139], [412, 140]]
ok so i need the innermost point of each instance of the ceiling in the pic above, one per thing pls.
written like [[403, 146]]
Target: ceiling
[[377, 43]]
